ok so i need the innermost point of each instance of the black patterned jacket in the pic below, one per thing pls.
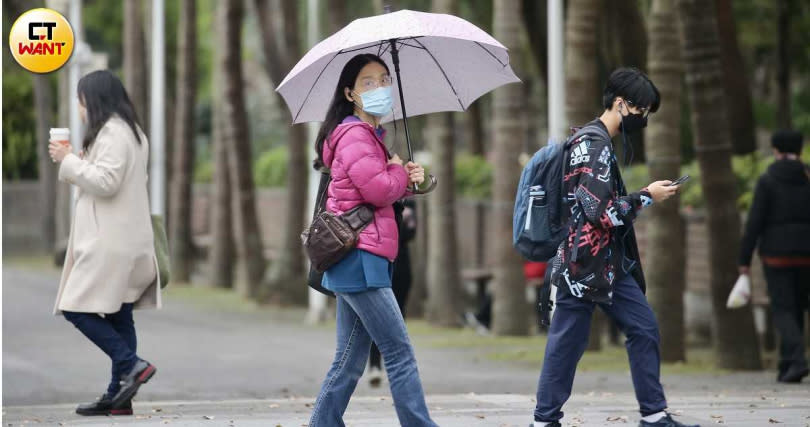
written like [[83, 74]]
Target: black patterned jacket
[[601, 216]]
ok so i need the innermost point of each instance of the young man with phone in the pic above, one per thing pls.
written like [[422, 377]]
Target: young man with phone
[[599, 263]]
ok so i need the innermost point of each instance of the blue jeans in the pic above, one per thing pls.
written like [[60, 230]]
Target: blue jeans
[[568, 338], [114, 334], [361, 318]]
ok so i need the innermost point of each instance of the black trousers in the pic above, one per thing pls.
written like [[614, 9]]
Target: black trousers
[[789, 290], [115, 335]]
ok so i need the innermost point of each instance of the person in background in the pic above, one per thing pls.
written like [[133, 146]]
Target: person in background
[[534, 273], [779, 223], [110, 266], [405, 213]]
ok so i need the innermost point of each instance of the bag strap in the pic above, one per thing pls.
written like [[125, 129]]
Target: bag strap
[[323, 186]]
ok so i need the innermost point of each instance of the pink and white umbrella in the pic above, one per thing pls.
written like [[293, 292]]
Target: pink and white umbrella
[[442, 63]]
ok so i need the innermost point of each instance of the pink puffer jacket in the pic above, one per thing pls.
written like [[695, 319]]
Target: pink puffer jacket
[[361, 174]]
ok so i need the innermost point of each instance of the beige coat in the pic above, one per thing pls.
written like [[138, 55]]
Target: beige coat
[[111, 255]]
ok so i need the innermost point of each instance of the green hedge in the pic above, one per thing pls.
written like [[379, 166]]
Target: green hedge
[[747, 169], [270, 169]]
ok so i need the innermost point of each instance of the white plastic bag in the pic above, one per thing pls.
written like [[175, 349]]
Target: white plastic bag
[[741, 293]]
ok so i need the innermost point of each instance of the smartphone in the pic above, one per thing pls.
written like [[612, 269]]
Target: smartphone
[[680, 180]]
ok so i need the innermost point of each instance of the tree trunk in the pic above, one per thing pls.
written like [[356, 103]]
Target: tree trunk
[[735, 79], [783, 119], [624, 44], [235, 129], [135, 70], [735, 341], [222, 245], [535, 21], [581, 81], [288, 275], [47, 169], [281, 46], [666, 245], [582, 95], [510, 311], [338, 15], [443, 278], [475, 128], [184, 136], [222, 249]]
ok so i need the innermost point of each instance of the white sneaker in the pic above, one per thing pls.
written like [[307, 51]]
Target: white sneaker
[[473, 322], [374, 377]]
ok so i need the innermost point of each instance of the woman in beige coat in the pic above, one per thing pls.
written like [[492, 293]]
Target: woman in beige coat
[[110, 267]]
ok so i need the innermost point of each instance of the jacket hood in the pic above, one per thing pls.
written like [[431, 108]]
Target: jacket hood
[[348, 123], [792, 172]]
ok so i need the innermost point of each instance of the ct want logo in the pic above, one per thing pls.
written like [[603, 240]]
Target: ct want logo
[[41, 40]]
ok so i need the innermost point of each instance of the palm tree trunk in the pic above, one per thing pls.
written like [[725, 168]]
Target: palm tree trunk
[[183, 153], [338, 15], [735, 339], [443, 278], [236, 136], [475, 128], [281, 46], [582, 95], [47, 169], [510, 310], [666, 260], [135, 70], [222, 242], [738, 92], [222, 249], [783, 64]]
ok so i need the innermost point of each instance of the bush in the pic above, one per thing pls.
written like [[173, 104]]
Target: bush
[[270, 170], [747, 169], [204, 172], [473, 176]]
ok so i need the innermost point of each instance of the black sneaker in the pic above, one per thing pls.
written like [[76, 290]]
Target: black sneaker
[[104, 406], [140, 374], [667, 421], [552, 424]]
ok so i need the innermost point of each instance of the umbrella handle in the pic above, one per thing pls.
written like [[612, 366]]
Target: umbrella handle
[[432, 186]]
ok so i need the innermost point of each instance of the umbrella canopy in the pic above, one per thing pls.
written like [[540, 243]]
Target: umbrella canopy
[[446, 64]]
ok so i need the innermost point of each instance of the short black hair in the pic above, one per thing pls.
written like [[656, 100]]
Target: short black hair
[[787, 141], [633, 85]]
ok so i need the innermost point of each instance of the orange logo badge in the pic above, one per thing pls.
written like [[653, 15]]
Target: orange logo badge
[[41, 40]]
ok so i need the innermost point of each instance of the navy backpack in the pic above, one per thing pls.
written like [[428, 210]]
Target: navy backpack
[[537, 222]]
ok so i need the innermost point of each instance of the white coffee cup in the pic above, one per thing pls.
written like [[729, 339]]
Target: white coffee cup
[[61, 135]]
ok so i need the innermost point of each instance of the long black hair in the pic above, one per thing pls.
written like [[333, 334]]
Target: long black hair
[[103, 95], [340, 107]]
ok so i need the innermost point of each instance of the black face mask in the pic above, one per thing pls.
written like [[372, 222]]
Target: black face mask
[[633, 122]]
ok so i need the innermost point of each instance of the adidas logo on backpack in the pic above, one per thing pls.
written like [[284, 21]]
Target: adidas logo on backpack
[[537, 228]]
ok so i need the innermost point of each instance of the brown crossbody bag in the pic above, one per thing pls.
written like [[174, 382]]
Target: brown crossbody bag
[[331, 237]]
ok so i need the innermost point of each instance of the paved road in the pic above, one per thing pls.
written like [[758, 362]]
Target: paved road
[[262, 367]]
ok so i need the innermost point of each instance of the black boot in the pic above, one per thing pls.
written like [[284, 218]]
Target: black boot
[[795, 373], [104, 406], [131, 381]]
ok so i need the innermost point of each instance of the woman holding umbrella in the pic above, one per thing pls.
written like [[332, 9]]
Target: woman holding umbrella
[[350, 144]]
